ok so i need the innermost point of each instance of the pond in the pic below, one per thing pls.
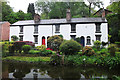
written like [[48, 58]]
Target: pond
[[19, 70]]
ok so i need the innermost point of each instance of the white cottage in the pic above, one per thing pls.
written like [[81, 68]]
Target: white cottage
[[38, 31]]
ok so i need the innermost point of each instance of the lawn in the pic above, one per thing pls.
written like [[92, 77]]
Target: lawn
[[27, 59]]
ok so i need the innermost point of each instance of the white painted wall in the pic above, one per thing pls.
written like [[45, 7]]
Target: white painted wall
[[65, 29]]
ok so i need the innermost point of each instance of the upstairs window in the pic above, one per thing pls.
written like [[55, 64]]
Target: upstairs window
[[88, 40], [57, 28], [36, 29], [98, 37], [21, 37], [21, 29], [98, 29], [73, 28]]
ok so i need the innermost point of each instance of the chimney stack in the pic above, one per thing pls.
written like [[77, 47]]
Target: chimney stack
[[68, 15], [103, 14], [36, 18]]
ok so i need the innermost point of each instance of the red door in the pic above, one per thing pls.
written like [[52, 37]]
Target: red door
[[43, 41]]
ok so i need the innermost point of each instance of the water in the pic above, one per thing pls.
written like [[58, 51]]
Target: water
[[41, 71]]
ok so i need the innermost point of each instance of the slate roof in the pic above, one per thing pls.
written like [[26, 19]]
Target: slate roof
[[60, 21]]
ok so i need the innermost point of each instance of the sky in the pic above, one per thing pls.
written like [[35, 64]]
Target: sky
[[23, 4]]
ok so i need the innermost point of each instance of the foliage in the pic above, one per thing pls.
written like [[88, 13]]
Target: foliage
[[26, 48], [56, 59], [17, 16], [58, 9], [70, 47], [114, 26], [88, 51], [97, 44], [114, 7], [41, 48], [112, 49], [18, 46], [106, 61], [78, 39], [34, 52], [61, 35], [54, 42], [27, 59], [31, 9], [103, 51], [118, 44], [14, 38], [6, 10], [6, 48]]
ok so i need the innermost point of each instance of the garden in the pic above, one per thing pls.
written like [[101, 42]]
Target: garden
[[62, 52]]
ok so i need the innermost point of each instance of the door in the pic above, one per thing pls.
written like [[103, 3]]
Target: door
[[43, 40], [82, 41]]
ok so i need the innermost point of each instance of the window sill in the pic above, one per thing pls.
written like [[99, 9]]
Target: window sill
[[36, 42], [98, 32], [21, 33], [73, 32], [57, 32], [35, 32]]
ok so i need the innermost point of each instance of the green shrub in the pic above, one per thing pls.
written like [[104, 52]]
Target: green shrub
[[54, 42], [7, 48], [103, 51], [97, 44], [118, 44], [88, 51], [14, 38], [46, 52], [112, 49], [34, 52], [18, 46], [70, 47], [56, 59], [26, 48], [41, 48]]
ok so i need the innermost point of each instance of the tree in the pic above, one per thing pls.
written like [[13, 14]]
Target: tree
[[14, 38], [6, 10], [95, 4], [31, 9], [114, 7], [16, 16], [114, 21], [58, 9]]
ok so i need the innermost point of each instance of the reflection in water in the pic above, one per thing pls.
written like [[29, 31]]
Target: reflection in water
[[35, 71]]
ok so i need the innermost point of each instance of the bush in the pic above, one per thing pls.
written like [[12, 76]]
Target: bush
[[56, 59], [70, 47], [26, 48], [34, 52], [103, 51], [97, 44], [88, 51], [18, 46], [54, 42], [41, 48], [118, 44], [14, 38], [46, 52], [112, 49]]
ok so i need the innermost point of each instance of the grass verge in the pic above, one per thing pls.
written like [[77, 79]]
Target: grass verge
[[27, 59]]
